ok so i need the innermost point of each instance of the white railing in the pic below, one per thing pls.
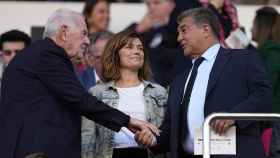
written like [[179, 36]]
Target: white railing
[[233, 116]]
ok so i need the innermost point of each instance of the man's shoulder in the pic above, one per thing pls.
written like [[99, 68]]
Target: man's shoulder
[[241, 54]]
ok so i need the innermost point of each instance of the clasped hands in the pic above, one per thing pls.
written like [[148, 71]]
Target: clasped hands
[[145, 133]]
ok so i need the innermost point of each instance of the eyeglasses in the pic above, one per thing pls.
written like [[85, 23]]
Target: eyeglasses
[[9, 52]]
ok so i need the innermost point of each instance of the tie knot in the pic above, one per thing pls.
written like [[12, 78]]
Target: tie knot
[[198, 61]]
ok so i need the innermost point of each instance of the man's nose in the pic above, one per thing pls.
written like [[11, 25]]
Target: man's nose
[[179, 38]]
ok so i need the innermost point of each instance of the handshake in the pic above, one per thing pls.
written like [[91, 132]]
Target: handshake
[[145, 133]]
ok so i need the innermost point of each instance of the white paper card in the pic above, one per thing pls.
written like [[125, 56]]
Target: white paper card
[[219, 145]]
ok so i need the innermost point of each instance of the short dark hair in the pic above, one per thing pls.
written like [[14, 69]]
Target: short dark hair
[[111, 59], [202, 16], [14, 36]]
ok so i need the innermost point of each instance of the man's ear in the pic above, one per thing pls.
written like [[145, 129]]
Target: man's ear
[[206, 29], [63, 32]]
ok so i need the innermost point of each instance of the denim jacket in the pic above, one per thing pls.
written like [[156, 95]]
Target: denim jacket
[[97, 140]]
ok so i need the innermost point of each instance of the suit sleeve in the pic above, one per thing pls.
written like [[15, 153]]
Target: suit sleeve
[[260, 89], [56, 73]]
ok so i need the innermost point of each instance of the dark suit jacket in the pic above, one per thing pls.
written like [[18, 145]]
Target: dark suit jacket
[[42, 101], [87, 78], [237, 83]]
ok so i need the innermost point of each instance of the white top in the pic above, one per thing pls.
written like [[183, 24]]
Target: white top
[[131, 102], [195, 115]]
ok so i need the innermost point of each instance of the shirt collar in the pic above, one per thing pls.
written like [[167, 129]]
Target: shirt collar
[[210, 53]]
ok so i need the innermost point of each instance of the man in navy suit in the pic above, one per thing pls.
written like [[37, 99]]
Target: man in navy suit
[[220, 80], [42, 99]]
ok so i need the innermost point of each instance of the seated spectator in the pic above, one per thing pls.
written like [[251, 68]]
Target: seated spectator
[[125, 72], [93, 73]]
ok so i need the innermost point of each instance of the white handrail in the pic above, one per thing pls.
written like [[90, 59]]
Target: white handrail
[[234, 116]]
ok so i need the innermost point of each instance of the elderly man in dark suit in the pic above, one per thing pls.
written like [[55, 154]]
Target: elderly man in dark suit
[[42, 99], [219, 80]]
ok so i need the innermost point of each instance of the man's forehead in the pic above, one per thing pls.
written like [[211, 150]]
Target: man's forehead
[[13, 44]]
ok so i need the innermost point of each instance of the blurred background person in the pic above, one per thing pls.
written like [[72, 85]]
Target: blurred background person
[[226, 12], [152, 28], [12, 42], [172, 60], [157, 15], [269, 48], [275, 141], [93, 72], [97, 15], [266, 33], [125, 72]]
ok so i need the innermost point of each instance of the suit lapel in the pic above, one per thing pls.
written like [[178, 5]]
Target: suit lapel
[[222, 57], [180, 85]]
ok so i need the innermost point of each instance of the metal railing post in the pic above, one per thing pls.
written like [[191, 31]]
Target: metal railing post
[[233, 116]]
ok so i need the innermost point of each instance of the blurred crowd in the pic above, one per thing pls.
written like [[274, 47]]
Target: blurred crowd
[[254, 2], [156, 34]]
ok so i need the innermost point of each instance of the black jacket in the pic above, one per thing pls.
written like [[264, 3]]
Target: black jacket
[[42, 101]]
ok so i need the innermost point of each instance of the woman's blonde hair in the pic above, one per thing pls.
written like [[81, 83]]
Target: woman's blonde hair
[[111, 60]]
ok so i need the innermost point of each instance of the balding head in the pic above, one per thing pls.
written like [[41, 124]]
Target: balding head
[[59, 18]]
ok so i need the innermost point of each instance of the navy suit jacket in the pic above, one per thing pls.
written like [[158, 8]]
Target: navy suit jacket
[[87, 78], [238, 83], [42, 101]]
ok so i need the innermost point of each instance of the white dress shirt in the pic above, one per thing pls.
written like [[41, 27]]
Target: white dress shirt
[[195, 115]]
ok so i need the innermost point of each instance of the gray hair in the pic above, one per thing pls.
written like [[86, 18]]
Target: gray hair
[[202, 16], [58, 18]]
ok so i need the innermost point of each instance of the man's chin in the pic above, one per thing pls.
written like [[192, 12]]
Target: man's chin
[[186, 52]]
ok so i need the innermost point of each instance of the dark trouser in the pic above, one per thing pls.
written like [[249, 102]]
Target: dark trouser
[[186, 155], [133, 152]]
